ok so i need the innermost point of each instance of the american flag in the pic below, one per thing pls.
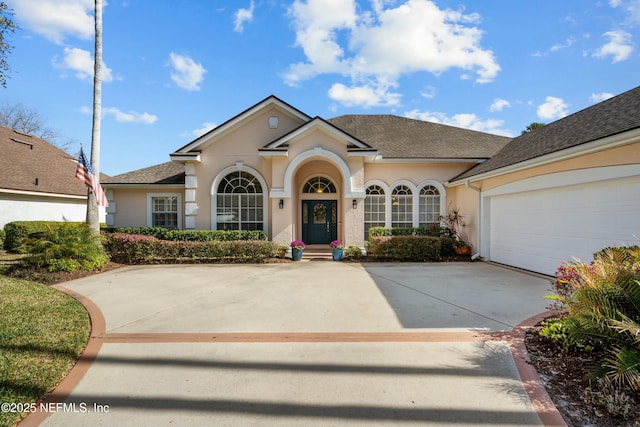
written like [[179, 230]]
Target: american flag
[[84, 173]]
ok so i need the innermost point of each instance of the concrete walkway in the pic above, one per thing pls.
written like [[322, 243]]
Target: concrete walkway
[[310, 343]]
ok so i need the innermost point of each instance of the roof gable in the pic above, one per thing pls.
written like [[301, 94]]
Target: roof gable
[[200, 142], [614, 116], [164, 174], [318, 123], [29, 163]]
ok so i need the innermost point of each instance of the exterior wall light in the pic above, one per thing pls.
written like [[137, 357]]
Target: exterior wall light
[[355, 204], [281, 204]]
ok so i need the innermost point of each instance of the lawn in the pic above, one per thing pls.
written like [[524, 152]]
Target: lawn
[[42, 333]]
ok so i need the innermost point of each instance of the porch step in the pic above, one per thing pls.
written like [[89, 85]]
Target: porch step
[[317, 253]]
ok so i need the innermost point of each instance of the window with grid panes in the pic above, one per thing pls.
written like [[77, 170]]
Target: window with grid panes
[[164, 211], [401, 207], [429, 206], [374, 209], [239, 202]]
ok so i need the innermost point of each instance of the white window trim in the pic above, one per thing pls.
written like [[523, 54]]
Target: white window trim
[[443, 196], [239, 166], [150, 207], [414, 202]]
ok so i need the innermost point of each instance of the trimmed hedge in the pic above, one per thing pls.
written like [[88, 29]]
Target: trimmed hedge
[[406, 248], [2, 238], [140, 249], [191, 235], [17, 231]]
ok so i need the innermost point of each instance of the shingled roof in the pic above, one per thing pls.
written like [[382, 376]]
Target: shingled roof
[[29, 163], [164, 173], [611, 117], [399, 137]]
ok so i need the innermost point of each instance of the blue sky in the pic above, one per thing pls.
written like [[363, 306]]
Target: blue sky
[[174, 69]]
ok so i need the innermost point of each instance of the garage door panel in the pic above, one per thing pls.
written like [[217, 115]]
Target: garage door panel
[[536, 230]]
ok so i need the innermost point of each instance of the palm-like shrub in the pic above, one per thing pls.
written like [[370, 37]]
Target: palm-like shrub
[[65, 247], [603, 309]]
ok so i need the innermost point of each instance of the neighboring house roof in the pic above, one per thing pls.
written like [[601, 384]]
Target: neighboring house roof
[[31, 164], [402, 138], [165, 173], [608, 118]]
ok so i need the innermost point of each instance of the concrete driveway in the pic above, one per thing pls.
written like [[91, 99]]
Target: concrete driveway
[[312, 343]]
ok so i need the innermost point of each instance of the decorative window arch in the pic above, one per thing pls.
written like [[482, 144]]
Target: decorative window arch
[[374, 208], [402, 206], [319, 185], [239, 202], [429, 204]]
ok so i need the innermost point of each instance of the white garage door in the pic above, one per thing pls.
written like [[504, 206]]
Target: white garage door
[[537, 229]]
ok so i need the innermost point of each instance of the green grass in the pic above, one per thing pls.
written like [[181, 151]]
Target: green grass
[[42, 333]]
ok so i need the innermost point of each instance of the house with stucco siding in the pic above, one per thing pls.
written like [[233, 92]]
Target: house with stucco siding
[[570, 187], [37, 181]]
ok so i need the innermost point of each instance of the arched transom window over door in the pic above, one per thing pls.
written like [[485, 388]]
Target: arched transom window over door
[[401, 207], [319, 185], [429, 206], [239, 202]]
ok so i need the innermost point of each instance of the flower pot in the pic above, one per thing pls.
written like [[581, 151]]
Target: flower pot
[[296, 254], [462, 250], [337, 254]]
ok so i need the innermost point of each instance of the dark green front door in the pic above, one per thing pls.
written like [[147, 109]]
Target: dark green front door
[[319, 221]]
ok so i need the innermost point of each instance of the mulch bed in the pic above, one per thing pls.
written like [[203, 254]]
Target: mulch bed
[[564, 375]]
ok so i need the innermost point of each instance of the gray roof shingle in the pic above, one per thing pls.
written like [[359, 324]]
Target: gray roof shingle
[[164, 173], [401, 137], [29, 163], [613, 116]]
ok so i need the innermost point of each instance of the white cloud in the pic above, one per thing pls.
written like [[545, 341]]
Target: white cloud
[[620, 46], [81, 63], [187, 73], [243, 15], [552, 109], [379, 46], [599, 97], [632, 7], [363, 96], [429, 92], [206, 127], [130, 117], [55, 19], [464, 120], [567, 43], [499, 105]]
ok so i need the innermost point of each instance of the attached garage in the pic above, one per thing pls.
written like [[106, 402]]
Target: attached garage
[[536, 223]]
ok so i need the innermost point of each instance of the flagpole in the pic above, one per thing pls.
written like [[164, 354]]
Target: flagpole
[[93, 212]]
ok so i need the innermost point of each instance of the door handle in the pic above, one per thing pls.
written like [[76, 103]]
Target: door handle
[[328, 227]]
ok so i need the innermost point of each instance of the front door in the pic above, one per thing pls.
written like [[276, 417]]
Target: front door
[[319, 221]]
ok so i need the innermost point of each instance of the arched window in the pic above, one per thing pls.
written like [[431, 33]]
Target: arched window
[[374, 209], [319, 185], [429, 206], [401, 207], [239, 202]]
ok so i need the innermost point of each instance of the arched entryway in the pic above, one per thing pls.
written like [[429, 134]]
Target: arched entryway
[[319, 211]]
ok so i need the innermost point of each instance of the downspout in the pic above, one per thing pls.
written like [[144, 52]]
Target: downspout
[[467, 184]]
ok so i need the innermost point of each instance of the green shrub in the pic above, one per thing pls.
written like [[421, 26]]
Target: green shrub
[[17, 231], [406, 248], [604, 307], [2, 234], [191, 235], [447, 246], [137, 249], [353, 252], [65, 247]]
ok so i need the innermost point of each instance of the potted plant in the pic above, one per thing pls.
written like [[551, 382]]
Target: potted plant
[[337, 250], [297, 246], [282, 251], [454, 221]]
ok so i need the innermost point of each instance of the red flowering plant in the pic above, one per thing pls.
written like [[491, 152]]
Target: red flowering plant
[[297, 244], [336, 244]]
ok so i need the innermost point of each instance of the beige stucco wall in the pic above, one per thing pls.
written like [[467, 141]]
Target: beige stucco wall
[[128, 206], [416, 173]]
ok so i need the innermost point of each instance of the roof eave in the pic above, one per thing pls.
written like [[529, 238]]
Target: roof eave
[[605, 143]]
